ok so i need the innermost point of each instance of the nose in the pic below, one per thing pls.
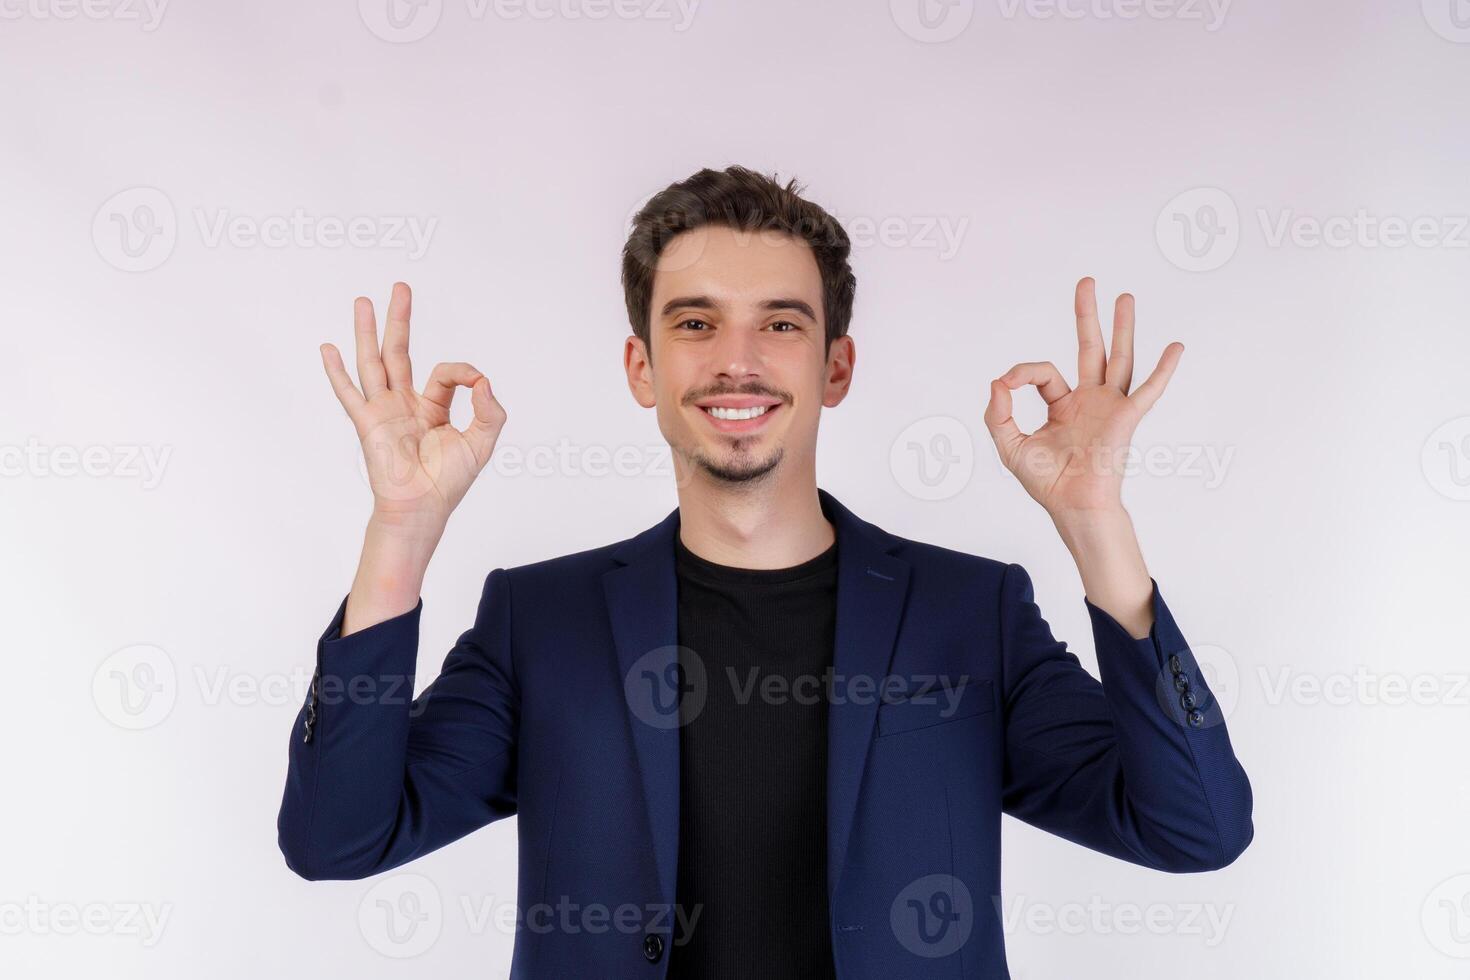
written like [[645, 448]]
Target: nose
[[736, 354]]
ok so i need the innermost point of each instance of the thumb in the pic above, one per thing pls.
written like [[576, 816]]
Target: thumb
[[483, 400], [489, 418]]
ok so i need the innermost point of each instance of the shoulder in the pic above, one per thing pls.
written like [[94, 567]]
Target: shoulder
[[946, 570], [563, 571]]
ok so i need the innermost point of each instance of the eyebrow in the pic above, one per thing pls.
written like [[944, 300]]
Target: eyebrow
[[705, 303]]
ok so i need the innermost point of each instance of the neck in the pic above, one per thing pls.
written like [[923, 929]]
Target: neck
[[776, 522]]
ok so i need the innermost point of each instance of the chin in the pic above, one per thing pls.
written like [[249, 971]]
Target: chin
[[738, 467]]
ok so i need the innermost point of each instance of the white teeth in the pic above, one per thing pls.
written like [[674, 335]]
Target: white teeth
[[735, 414]]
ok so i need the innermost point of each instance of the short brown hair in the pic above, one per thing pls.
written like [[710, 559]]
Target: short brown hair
[[744, 200]]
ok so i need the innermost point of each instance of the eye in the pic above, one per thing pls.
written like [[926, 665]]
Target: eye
[[685, 323], [785, 323]]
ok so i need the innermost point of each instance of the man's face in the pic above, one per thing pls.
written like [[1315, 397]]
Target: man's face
[[738, 373]]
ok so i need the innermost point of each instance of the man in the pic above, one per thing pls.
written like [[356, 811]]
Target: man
[[764, 738]]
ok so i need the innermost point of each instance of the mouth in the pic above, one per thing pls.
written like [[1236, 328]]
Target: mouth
[[739, 415]]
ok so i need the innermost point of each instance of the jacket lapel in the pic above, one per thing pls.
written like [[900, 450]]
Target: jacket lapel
[[642, 602], [871, 588], [643, 609]]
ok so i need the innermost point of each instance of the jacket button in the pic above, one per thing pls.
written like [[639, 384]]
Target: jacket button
[[1175, 664], [1196, 718], [653, 948], [1188, 700], [1181, 683]]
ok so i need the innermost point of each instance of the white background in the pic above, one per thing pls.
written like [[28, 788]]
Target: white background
[[1318, 564]]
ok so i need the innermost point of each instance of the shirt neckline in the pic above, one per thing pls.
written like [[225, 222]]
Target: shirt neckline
[[754, 576]]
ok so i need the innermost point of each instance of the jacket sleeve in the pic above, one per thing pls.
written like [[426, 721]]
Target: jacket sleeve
[[377, 777], [1138, 766]]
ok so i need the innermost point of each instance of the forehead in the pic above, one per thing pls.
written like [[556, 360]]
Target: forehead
[[733, 266]]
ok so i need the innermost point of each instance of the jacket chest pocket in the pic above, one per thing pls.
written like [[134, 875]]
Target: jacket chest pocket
[[939, 706]]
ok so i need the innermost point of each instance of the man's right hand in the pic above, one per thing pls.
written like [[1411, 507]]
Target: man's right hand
[[419, 466]]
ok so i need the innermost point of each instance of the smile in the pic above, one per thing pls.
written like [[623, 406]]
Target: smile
[[737, 414], [738, 419]]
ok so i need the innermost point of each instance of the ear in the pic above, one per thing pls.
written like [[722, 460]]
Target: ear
[[838, 371], [639, 369]]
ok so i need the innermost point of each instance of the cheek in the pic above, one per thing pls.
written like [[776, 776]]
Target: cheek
[[668, 413]]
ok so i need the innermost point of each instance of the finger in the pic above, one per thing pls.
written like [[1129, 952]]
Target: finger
[[1043, 374], [445, 378], [1120, 361], [1091, 361], [1003, 428], [395, 339], [369, 365], [1151, 389], [489, 419], [347, 392]]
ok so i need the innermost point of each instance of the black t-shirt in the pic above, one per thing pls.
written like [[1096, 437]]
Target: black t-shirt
[[753, 769]]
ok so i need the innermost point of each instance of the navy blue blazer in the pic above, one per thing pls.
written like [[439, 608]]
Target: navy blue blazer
[[552, 707]]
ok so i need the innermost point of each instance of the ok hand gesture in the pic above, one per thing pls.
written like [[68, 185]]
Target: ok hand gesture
[[419, 465], [1072, 465]]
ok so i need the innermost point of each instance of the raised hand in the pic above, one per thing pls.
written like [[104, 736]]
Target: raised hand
[[419, 466], [1073, 464]]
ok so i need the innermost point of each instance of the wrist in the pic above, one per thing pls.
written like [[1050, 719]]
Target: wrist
[[395, 556], [1110, 563], [1081, 528], [409, 531], [389, 577]]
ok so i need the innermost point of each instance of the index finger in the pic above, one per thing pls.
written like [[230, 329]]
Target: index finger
[[1091, 361], [370, 371], [1120, 361], [395, 338]]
